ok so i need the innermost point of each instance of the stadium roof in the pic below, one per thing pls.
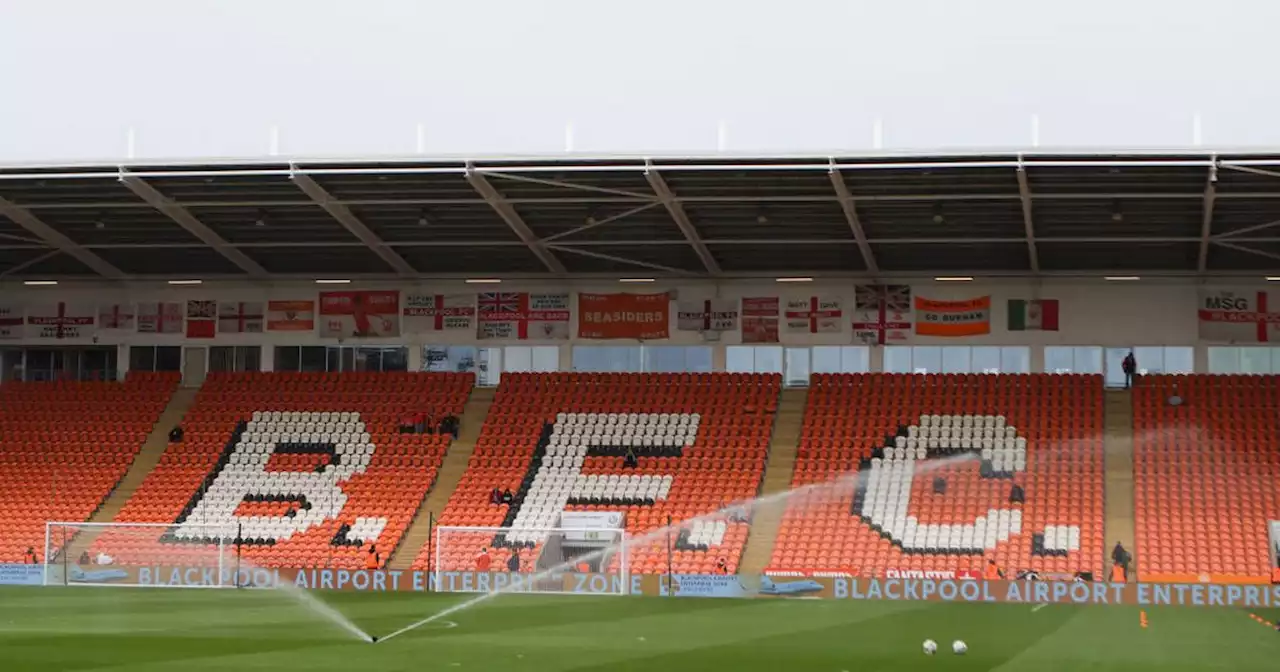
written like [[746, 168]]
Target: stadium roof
[[1186, 214]]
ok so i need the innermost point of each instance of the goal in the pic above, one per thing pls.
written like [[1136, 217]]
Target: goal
[[141, 554], [552, 560]]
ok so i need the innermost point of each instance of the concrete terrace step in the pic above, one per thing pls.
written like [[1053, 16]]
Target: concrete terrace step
[[447, 479], [778, 472], [1118, 491]]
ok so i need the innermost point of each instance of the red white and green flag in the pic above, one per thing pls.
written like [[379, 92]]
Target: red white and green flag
[[1033, 315]]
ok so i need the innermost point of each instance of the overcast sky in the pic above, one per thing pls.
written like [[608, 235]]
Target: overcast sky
[[204, 78]]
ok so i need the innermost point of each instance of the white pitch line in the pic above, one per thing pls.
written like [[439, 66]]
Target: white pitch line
[[1038, 607]]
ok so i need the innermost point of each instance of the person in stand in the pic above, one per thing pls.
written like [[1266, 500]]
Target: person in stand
[[992, 572], [176, 434], [1121, 558], [373, 560], [30, 556], [495, 496], [508, 497], [1117, 573], [513, 562], [722, 567], [84, 558], [483, 561], [1130, 367], [629, 460], [450, 425]]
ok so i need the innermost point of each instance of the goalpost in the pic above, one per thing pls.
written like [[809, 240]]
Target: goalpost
[[140, 554], [552, 560]]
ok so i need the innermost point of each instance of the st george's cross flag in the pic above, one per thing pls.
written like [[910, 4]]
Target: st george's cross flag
[[708, 315]]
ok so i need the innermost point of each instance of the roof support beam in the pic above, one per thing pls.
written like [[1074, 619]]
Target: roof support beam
[[18, 268], [600, 222], [681, 218], [1206, 218], [626, 200], [851, 216], [508, 213], [56, 239], [353, 224], [1024, 192], [621, 260], [562, 184], [1248, 250], [183, 217], [1233, 234], [1248, 169]]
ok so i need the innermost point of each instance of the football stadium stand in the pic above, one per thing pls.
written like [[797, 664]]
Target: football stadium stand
[[1041, 433], [558, 441], [66, 446], [345, 473], [1207, 475]]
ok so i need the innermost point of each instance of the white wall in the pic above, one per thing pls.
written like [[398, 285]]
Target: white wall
[[1092, 312]]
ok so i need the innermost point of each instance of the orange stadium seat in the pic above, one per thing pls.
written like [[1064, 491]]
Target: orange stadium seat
[[65, 445], [1206, 475], [703, 437], [1040, 432], [265, 431]]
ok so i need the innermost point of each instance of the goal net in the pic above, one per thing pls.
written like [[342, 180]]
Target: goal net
[[140, 554], [532, 560]]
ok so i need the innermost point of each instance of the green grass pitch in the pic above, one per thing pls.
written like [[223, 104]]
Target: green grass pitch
[[191, 630]]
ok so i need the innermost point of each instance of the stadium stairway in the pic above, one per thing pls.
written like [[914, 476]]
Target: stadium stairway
[[1118, 466], [447, 479], [155, 445], [778, 471], [147, 459]]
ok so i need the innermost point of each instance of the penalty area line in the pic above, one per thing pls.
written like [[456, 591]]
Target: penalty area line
[[1038, 607]]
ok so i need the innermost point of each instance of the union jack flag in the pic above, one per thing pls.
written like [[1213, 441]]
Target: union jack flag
[[499, 302]]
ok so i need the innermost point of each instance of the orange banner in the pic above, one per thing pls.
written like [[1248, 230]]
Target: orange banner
[[969, 317], [630, 316]]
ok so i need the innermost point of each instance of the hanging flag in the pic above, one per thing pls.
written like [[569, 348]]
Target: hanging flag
[[10, 322], [1238, 316], [707, 315], [56, 321], [760, 319], [814, 315], [522, 316], [970, 317], [1033, 315], [116, 317], [160, 318], [202, 318], [622, 315], [882, 314], [361, 314], [291, 315], [240, 318], [439, 312]]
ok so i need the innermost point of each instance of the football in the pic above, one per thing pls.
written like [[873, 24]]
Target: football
[[959, 647], [930, 647]]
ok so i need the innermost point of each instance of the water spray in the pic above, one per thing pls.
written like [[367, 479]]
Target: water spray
[[852, 478], [320, 608]]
